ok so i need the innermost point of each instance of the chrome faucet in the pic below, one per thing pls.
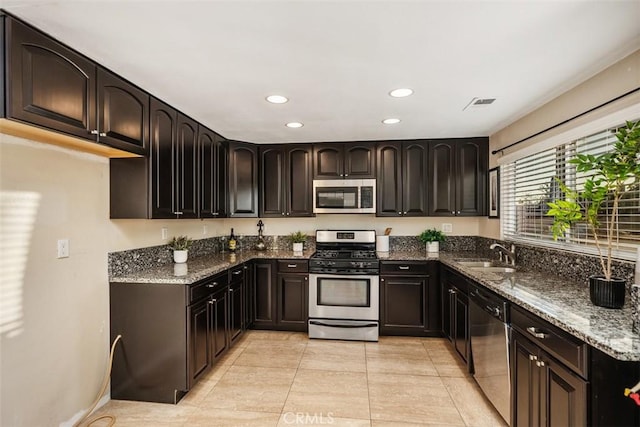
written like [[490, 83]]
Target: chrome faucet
[[509, 254]]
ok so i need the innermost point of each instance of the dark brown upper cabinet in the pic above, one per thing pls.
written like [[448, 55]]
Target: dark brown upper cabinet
[[286, 180], [243, 180], [458, 177], [213, 174], [165, 184], [351, 160], [54, 87], [173, 156], [402, 186]]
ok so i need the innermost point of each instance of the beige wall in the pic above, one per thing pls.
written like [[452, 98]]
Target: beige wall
[[614, 81], [54, 312]]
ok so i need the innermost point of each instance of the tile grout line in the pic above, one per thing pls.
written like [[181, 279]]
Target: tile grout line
[[284, 404]]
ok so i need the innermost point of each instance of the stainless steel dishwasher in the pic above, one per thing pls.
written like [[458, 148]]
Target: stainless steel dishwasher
[[490, 337]]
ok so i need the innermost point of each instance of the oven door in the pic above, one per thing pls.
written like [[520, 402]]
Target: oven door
[[350, 297]]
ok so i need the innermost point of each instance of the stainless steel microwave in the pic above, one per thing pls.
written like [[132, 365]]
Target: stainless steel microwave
[[344, 196]]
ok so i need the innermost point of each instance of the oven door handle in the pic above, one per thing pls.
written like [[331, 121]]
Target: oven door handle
[[363, 325]]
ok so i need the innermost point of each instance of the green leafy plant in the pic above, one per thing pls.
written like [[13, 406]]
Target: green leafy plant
[[615, 173], [298, 237], [180, 243], [432, 235]]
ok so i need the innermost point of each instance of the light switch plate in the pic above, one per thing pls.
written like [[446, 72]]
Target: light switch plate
[[164, 233], [63, 248]]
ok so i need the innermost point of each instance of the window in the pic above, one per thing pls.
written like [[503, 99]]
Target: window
[[529, 183]]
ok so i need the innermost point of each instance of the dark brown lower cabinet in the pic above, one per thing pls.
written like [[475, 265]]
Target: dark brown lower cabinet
[[281, 294], [171, 335], [546, 393], [409, 299], [293, 301], [455, 311]]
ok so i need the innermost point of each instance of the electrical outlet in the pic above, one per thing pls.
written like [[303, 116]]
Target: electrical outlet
[[63, 248], [447, 228], [164, 233], [204, 230]]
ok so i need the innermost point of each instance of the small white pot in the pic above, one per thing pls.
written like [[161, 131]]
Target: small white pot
[[180, 256], [433, 247], [297, 247]]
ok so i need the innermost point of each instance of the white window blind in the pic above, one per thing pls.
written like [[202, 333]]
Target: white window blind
[[529, 183]]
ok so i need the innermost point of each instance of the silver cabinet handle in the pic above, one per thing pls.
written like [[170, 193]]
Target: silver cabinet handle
[[399, 213], [404, 213], [282, 213], [94, 132], [451, 291], [346, 174], [536, 333], [532, 357], [215, 213], [210, 285], [102, 134], [540, 364], [292, 265], [213, 301], [230, 290], [235, 273], [458, 212], [403, 267], [177, 213]]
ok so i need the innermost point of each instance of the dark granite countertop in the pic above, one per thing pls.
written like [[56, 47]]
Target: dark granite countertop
[[199, 268], [562, 302]]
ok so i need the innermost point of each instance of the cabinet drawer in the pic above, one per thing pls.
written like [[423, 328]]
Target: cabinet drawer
[[399, 267], [205, 287], [293, 266], [558, 343]]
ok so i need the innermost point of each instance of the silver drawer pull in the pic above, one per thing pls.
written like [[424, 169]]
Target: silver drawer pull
[[536, 333], [533, 357], [213, 301], [210, 285], [292, 265], [540, 363], [235, 273], [403, 267]]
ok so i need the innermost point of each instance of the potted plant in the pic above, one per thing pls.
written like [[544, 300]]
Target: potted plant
[[432, 238], [614, 174], [180, 246], [297, 239]]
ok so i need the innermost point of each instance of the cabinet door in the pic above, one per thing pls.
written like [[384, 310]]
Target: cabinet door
[[49, 84], [415, 178], [235, 309], [219, 327], [209, 161], [441, 179], [359, 161], [243, 183], [526, 381], [293, 302], [272, 185], [299, 181], [564, 396], [402, 305], [123, 114], [187, 168], [471, 177], [199, 343], [461, 328], [162, 151], [328, 161], [265, 298], [389, 179]]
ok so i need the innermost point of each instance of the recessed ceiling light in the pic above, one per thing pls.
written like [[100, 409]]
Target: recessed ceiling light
[[391, 121], [277, 99], [294, 125], [401, 93]]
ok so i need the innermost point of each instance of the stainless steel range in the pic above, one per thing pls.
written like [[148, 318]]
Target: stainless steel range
[[344, 286]]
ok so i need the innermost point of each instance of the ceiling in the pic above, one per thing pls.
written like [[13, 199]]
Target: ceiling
[[337, 61]]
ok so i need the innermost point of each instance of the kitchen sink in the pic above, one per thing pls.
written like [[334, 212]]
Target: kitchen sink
[[494, 269]]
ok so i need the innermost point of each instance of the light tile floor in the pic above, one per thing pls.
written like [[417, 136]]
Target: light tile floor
[[282, 378]]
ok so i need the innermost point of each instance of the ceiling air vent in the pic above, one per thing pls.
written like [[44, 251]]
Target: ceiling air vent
[[477, 103]]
